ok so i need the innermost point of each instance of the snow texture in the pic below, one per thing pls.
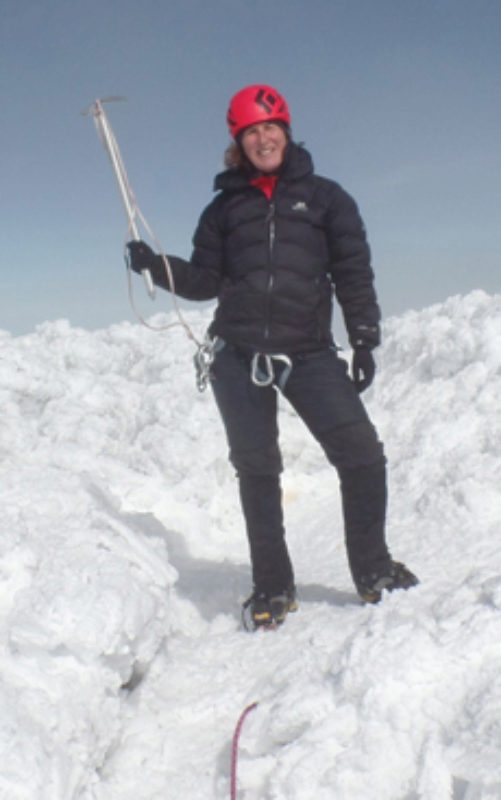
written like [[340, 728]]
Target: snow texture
[[123, 563]]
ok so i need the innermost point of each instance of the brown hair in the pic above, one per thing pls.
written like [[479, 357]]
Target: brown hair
[[234, 157]]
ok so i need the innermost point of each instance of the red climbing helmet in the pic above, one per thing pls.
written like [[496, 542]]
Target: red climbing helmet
[[257, 103]]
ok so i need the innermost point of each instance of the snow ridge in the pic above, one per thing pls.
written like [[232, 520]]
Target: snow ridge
[[123, 562]]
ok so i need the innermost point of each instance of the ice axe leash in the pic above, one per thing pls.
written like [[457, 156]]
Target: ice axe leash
[[203, 357]]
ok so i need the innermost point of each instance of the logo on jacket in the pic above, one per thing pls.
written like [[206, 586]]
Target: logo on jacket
[[300, 206]]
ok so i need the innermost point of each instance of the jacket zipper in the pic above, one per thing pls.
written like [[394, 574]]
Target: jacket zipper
[[270, 221]]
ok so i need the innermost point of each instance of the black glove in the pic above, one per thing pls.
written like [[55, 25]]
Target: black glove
[[363, 368], [141, 255]]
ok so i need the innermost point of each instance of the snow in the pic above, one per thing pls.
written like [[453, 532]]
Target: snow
[[123, 564]]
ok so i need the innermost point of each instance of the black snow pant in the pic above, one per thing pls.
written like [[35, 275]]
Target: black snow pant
[[323, 395]]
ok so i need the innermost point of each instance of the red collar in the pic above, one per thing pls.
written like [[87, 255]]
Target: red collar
[[266, 183]]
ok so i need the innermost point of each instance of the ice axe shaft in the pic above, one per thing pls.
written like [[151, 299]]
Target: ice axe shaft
[[111, 146]]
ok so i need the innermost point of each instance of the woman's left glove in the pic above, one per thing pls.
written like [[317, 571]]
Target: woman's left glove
[[363, 368], [141, 255]]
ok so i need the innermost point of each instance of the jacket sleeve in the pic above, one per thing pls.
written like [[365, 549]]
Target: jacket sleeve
[[200, 277], [351, 270]]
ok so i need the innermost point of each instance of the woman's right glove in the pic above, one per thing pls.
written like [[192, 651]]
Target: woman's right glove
[[141, 256]]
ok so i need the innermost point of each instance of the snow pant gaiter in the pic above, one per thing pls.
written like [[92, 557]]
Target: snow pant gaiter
[[261, 499], [363, 493]]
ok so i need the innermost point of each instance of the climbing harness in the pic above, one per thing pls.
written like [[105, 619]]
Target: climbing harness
[[133, 213], [234, 749], [263, 370]]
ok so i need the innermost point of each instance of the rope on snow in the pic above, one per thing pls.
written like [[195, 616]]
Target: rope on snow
[[234, 749]]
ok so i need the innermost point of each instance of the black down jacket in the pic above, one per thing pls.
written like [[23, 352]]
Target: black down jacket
[[273, 265]]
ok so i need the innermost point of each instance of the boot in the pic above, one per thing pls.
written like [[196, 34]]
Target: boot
[[269, 611], [395, 576]]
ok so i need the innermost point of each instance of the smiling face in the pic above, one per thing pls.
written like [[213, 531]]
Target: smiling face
[[264, 145]]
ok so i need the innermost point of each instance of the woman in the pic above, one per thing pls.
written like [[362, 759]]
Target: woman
[[273, 246]]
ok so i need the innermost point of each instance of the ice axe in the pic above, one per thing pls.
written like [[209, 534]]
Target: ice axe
[[107, 137]]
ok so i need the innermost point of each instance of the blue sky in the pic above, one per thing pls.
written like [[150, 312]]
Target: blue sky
[[397, 100]]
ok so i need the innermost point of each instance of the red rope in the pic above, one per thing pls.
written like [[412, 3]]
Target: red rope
[[234, 750]]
